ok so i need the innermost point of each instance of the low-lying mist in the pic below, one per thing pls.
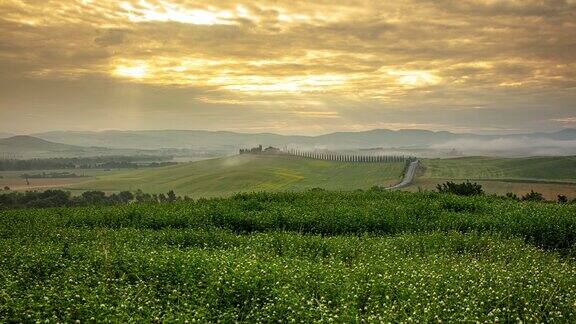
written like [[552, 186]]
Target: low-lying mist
[[514, 147]]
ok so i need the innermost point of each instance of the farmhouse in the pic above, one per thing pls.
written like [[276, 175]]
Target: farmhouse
[[260, 150]]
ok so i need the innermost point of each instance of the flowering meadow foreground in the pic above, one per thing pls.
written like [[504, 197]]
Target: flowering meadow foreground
[[312, 256]]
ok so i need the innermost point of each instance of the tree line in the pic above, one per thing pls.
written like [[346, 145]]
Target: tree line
[[61, 198], [97, 162], [343, 157]]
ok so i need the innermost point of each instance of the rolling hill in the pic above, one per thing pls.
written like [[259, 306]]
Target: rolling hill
[[162, 139], [27, 147], [245, 173], [23, 145]]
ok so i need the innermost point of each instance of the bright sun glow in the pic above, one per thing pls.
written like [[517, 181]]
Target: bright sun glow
[[133, 71], [415, 78]]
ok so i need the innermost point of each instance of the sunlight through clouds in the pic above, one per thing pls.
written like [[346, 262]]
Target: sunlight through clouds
[[415, 78], [370, 61], [165, 11], [137, 71], [256, 84]]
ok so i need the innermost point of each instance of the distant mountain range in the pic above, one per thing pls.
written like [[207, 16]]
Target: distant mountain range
[[5, 135], [24, 144], [208, 143], [24, 147], [220, 140]]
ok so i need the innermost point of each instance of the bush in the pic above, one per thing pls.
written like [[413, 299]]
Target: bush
[[377, 188], [94, 197], [462, 189], [60, 198], [511, 195], [533, 196], [50, 198]]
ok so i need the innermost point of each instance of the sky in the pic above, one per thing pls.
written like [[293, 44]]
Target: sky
[[288, 66]]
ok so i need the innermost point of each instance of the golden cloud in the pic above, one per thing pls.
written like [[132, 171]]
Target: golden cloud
[[404, 53]]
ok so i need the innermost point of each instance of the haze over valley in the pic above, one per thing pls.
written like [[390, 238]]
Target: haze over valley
[[421, 143]]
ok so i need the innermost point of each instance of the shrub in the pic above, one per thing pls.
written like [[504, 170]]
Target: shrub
[[533, 196], [60, 198], [377, 188], [171, 196], [94, 197], [50, 198], [462, 189], [511, 195]]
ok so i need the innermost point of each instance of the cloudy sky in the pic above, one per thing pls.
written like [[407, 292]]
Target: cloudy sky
[[287, 66]]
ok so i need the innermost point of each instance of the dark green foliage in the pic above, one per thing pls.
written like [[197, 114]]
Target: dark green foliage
[[171, 196], [551, 226], [60, 198], [99, 162], [49, 198], [316, 256], [462, 189], [378, 188], [460, 205], [50, 175], [512, 195], [94, 197], [533, 196], [126, 196]]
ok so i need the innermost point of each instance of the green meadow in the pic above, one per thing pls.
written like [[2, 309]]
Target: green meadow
[[550, 176], [247, 173], [558, 169]]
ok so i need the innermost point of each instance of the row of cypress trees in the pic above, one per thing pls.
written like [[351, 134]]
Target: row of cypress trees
[[340, 157]]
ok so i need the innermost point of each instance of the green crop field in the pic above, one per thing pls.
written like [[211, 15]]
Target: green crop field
[[15, 181], [244, 173], [550, 176], [319, 256], [489, 168]]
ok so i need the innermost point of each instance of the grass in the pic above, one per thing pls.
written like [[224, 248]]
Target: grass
[[549, 175], [14, 181], [550, 191], [225, 176], [245, 173], [309, 257], [545, 169]]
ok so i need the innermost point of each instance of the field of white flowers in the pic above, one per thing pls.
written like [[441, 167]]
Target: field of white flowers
[[315, 256]]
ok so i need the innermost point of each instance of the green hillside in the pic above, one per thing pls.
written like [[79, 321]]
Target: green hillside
[[223, 176], [24, 143], [485, 168]]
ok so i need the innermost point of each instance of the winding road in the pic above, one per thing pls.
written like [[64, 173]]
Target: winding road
[[408, 176]]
